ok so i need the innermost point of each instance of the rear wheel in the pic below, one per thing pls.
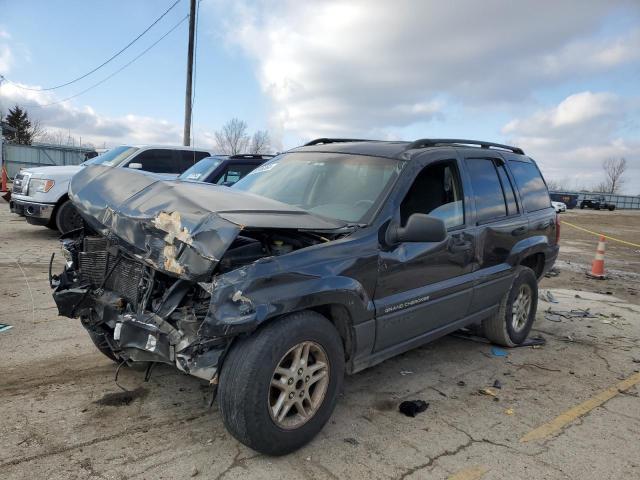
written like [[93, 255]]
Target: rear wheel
[[68, 218], [511, 325], [279, 386], [612, 208]]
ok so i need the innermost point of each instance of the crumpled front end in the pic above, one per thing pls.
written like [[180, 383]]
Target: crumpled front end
[[143, 314], [159, 272]]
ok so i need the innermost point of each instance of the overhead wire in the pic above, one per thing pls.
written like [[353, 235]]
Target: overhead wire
[[115, 72], [40, 89]]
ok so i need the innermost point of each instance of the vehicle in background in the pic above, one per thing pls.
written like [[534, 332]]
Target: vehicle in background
[[40, 194], [329, 258], [569, 199], [559, 206], [222, 169], [598, 203]]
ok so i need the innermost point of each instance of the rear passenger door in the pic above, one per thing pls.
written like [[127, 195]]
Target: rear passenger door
[[499, 225]]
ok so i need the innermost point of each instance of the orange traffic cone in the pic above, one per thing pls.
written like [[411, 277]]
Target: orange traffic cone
[[6, 194], [3, 182], [597, 267]]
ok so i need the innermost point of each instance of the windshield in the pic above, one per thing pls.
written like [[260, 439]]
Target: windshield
[[340, 186], [112, 157], [201, 170]]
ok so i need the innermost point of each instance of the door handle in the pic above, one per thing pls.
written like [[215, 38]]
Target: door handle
[[518, 231]]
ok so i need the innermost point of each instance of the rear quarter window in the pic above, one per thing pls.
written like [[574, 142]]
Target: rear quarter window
[[533, 190]]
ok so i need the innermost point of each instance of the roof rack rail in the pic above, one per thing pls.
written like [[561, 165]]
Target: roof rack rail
[[251, 155], [432, 142], [322, 141]]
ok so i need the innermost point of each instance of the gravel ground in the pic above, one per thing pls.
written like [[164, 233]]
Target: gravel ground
[[64, 417]]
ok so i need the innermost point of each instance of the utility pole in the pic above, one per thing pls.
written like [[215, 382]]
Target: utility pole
[[186, 138]]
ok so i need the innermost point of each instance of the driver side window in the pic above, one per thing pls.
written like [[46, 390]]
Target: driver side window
[[437, 192]]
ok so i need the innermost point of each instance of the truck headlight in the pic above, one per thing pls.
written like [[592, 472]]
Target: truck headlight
[[41, 185]]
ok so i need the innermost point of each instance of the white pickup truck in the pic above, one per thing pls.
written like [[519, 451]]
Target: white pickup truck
[[40, 194]]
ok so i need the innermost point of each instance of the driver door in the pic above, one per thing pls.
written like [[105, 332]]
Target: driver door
[[424, 287]]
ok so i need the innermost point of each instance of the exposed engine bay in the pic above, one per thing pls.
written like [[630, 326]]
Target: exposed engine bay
[[145, 315]]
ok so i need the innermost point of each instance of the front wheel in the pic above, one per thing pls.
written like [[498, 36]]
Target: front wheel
[[511, 324], [68, 218], [279, 386]]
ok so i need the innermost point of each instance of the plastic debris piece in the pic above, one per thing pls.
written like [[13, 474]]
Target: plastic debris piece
[[497, 384], [547, 296], [509, 411], [4, 327], [498, 352], [411, 408], [554, 272], [462, 384], [405, 372], [489, 391]]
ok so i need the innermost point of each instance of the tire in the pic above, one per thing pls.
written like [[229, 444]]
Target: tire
[[582, 206], [98, 339], [502, 328], [612, 208], [68, 218], [247, 396]]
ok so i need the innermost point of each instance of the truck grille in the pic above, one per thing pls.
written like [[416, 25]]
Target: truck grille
[[20, 183], [95, 263]]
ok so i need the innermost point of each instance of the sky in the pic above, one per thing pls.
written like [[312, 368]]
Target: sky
[[560, 79]]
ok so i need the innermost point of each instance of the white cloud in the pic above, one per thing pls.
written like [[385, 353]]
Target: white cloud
[[352, 68], [6, 55], [571, 140], [86, 122]]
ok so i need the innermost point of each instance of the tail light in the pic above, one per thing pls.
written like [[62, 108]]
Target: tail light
[[557, 228]]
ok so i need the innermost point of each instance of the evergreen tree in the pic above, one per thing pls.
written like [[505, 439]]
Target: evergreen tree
[[19, 119]]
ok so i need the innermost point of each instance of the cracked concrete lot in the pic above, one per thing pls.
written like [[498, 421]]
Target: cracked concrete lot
[[64, 417]]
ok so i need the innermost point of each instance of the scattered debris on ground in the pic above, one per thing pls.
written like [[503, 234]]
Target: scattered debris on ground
[[411, 408], [554, 272], [558, 315], [4, 327]]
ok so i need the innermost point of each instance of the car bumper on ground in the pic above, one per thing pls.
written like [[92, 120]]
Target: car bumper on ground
[[35, 213]]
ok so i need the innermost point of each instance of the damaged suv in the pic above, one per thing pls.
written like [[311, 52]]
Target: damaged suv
[[329, 258]]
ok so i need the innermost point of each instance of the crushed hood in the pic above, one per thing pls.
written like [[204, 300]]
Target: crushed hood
[[181, 228]]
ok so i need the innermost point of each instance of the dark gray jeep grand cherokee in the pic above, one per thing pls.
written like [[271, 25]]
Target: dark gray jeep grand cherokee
[[327, 259]]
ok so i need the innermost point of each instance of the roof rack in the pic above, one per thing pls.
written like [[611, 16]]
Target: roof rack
[[433, 142], [322, 141], [258, 156]]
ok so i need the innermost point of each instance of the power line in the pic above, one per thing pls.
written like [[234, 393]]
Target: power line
[[117, 71], [103, 63]]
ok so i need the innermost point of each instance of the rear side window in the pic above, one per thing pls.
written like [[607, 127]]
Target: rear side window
[[487, 190], [188, 158], [532, 188], [507, 187], [157, 161], [234, 172]]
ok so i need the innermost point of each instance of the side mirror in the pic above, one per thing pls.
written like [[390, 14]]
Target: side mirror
[[135, 166], [419, 228]]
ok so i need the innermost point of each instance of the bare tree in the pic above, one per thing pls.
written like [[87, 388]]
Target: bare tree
[[601, 187], [233, 138], [614, 169], [38, 132], [260, 142]]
